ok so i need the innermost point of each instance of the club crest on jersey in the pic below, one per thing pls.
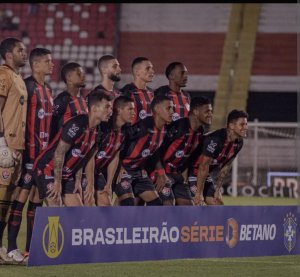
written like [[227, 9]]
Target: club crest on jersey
[[145, 153], [166, 191], [179, 154], [125, 184], [212, 146], [27, 178], [142, 114], [41, 114], [5, 174], [76, 152], [175, 116]]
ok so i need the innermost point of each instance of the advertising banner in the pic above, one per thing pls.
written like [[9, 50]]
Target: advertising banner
[[72, 235]]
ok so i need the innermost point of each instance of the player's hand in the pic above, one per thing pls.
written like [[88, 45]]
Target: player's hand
[[199, 199], [218, 197], [54, 191], [7, 157], [78, 187], [108, 192], [88, 195], [161, 181]]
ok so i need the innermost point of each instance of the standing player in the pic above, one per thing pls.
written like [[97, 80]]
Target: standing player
[[219, 149], [39, 114], [176, 73], [110, 72], [13, 108], [57, 170], [183, 136], [143, 139], [69, 103], [142, 95], [107, 157]]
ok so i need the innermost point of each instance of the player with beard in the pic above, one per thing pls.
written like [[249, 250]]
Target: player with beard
[[13, 110], [110, 72], [39, 114], [218, 151], [176, 73], [57, 170], [69, 103]]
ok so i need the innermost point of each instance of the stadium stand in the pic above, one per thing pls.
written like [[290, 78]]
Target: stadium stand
[[73, 32]]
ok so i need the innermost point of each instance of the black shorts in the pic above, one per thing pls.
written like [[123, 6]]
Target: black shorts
[[209, 189], [180, 189], [44, 182], [26, 180], [134, 181]]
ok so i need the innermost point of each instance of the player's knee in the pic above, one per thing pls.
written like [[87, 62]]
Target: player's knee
[[127, 202], [155, 202]]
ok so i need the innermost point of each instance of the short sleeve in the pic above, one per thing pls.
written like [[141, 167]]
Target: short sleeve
[[5, 83], [211, 147], [73, 129]]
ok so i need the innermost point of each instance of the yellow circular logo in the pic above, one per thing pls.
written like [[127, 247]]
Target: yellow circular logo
[[53, 237]]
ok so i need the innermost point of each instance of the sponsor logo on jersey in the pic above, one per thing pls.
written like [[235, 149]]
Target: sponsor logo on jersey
[[41, 114], [76, 152], [142, 114], [175, 116], [145, 153], [179, 154], [101, 155], [73, 130], [212, 146]]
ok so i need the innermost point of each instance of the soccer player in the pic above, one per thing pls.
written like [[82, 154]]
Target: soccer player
[[107, 157], [70, 102], [219, 149], [110, 72], [13, 108], [142, 95], [39, 114], [142, 141], [57, 171], [183, 136], [176, 73]]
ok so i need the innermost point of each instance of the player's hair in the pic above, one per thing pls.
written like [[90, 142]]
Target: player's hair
[[68, 67], [171, 67], [37, 53], [236, 114], [103, 60], [138, 60], [121, 101], [97, 95], [199, 101], [158, 99], [7, 45]]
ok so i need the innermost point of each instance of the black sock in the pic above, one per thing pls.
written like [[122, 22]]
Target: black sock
[[2, 227], [30, 220], [14, 224]]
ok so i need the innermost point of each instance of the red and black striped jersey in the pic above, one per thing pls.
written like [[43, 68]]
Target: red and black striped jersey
[[142, 100], [66, 106], [180, 142], [38, 122], [142, 140], [115, 93], [110, 144], [82, 139], [181, 101], [216, 146]]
